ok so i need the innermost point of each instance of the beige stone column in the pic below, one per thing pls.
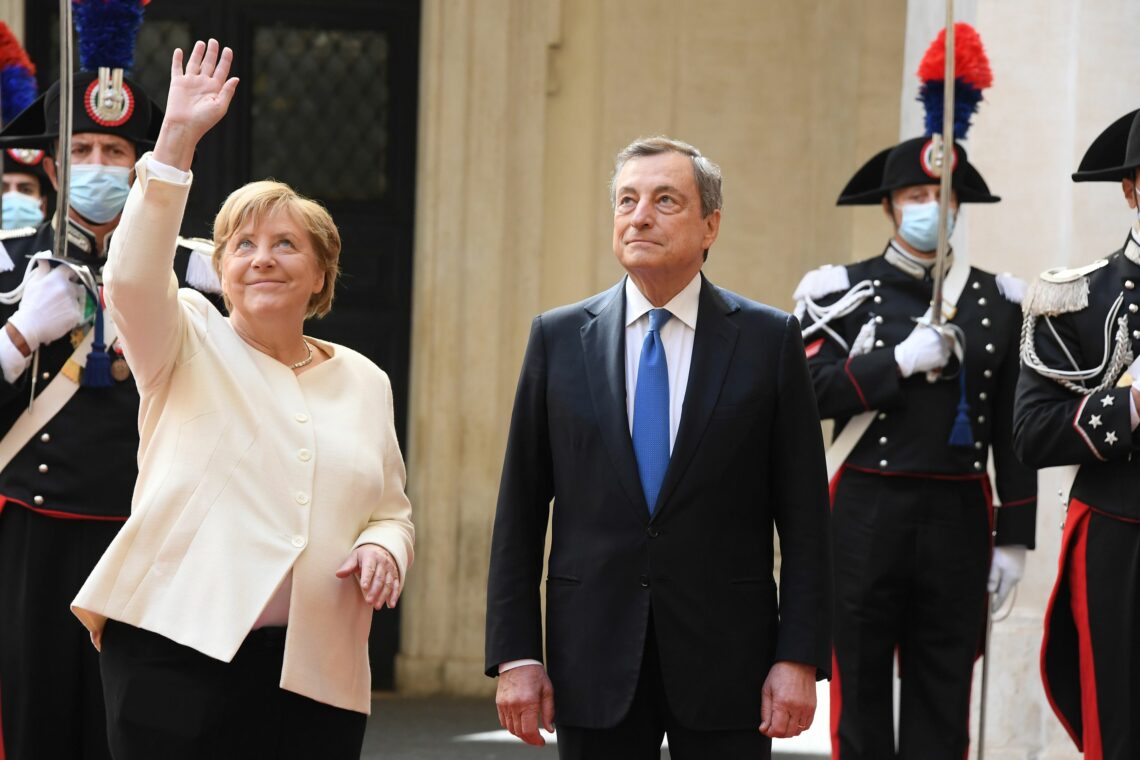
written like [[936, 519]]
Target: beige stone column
[[1062, 72], [477, 250]]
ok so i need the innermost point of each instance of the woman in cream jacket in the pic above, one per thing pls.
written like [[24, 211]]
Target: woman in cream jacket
[[269, 517]]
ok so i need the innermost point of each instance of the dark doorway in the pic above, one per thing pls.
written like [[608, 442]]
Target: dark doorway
[[327, 103]]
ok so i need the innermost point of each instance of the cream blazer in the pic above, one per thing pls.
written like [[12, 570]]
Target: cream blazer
[[246, 471]]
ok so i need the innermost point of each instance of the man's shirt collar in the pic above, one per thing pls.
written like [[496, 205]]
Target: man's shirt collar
[[682, 306]]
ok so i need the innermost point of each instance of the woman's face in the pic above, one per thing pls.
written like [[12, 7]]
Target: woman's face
[[269, 268]]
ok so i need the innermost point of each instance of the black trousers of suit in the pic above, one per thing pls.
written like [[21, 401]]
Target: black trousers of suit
[[638, 736], [911, 562], [51, 698], [165, 700]]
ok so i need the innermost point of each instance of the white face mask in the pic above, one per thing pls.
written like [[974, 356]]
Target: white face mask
[[99, 192]]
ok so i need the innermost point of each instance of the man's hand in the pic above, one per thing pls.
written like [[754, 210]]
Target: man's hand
[[198, 99], [377, 572], [1006, 569], [49, 308], [787, 703], [924, 350], [525, 695]]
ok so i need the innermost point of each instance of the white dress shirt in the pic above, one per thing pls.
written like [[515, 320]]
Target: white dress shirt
[[677, 337]]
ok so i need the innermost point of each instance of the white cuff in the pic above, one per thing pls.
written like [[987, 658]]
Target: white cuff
[[512, 664], [11, 360], [166, 172]]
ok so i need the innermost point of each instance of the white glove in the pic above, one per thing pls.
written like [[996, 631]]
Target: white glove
[[923, 350], [1006, 569], [50, 307]]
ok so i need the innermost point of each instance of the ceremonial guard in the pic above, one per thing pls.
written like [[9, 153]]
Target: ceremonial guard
[[68, 403], [1076, 405], [918, 409]]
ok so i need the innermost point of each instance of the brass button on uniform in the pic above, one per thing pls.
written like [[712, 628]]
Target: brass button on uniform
[[42, 468], [39, 500], [988, 374], [45, 437]]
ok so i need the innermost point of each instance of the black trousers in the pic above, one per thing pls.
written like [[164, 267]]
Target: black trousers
[[911, 561], [51, 698], [165, 700], [638, 736]]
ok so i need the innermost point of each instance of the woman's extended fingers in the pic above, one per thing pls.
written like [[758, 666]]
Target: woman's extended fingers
[[210, 59], [194, 65], [222, 72], [176, 64]]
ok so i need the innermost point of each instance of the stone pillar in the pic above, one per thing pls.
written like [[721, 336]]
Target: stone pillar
[[478, 236]]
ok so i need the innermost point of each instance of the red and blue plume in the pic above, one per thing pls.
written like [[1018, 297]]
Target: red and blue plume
[[107, 31], [17, 76], [971, 75]]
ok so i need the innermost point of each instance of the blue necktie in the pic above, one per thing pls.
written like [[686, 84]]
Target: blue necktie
[[651, 410]]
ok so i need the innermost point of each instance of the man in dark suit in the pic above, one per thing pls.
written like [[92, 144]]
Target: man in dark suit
[[672, 423]]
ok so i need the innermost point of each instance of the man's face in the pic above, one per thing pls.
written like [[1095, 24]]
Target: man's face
[[23, 183], [914, 194], [658, 227], [95, 148]]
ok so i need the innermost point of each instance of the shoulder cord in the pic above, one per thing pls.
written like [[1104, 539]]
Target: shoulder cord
[[1112, 365], [849, 302]]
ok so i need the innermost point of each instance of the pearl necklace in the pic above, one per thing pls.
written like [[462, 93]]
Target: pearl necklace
[[306, 361]]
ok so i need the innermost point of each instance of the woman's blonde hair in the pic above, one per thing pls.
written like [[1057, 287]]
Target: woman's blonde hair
[[259, 200]]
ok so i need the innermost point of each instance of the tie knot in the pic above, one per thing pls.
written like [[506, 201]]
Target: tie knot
[[658, 318]]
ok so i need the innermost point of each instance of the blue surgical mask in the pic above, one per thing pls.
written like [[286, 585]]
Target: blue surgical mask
[[919, 225], [21, 210], [99, 192]]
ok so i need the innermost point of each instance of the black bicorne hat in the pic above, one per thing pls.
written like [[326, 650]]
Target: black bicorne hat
[[911, 162], [1115, 153], [27, 161], [134, 116]]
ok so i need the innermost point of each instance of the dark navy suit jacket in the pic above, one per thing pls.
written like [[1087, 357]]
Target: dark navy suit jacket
[[748, 456]]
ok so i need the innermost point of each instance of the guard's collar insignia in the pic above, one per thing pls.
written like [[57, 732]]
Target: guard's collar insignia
[[1132, 247], [910, 264]]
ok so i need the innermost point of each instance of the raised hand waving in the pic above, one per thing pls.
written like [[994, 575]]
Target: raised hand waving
[[199, 96]]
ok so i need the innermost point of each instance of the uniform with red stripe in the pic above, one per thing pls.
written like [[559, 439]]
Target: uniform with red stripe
[[1090, 658], [912, 512]]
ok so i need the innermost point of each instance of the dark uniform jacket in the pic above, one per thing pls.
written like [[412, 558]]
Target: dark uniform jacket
[[914, 418], [83, 462], [1055, 424]]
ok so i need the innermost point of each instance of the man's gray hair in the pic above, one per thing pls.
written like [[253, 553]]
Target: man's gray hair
[[705, 172]]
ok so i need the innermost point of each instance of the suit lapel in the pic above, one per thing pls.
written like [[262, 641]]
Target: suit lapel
[[603, 341], [713, 345]]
